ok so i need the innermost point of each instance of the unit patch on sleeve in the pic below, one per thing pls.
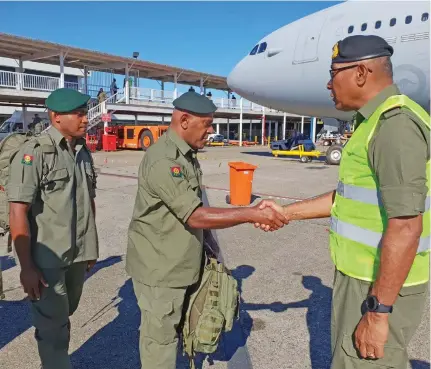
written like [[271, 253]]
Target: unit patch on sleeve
[[27, 159], [176, 172]]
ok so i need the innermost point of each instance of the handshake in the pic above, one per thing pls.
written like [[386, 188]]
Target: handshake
[[268, 216]]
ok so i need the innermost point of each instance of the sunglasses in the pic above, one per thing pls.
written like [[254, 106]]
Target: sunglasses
[[333, 72]]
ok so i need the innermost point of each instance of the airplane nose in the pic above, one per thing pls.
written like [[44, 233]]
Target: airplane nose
[[234, 78]]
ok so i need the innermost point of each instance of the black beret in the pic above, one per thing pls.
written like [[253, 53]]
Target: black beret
[[65, 100], [194, 103], [360, 47]]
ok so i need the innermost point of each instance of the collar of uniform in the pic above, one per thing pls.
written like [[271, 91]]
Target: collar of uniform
[[371, 106], [182, 145], [56, 135], [59, 138]]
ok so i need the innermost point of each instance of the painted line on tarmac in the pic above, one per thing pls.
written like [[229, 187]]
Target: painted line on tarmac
[[258, 194], [209, 187]]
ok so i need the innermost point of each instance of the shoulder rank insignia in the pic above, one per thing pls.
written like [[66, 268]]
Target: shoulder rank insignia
[[176, 172], [27, 159]]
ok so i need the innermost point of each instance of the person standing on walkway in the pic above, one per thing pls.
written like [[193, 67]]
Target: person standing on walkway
[[380, 211], [166, 234], [51, 192]]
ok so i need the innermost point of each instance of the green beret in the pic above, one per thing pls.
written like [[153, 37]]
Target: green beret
[[64, 100], [360, 47], [194, 103]]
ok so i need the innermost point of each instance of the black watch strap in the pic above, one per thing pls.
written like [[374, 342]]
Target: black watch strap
[[373, 305]]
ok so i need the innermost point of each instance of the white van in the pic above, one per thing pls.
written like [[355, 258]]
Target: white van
[[15, 122]]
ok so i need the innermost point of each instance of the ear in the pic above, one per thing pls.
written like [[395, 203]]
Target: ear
[[361, 75], [184, 121]]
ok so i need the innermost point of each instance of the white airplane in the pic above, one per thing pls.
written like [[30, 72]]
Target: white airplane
[[288, 70]]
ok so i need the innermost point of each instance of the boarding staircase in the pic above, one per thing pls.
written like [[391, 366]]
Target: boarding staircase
[[96, 110]]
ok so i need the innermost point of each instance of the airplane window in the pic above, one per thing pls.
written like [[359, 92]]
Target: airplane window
[[350, 30], [425, 17], [393, 22], [262, 47], [364, 27], [254, 51], [409, 19], [378, 24]]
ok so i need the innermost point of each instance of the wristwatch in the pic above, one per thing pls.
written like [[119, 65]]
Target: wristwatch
[[373, 305]]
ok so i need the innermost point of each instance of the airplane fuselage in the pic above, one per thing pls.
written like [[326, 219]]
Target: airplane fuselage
[[289, 69]]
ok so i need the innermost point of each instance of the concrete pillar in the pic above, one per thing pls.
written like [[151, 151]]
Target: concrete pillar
[[302, 124], [269, 129], [313, 129], [240, 121], [24, 118], [86, 80], [61, 69], [284, 126], [227, 130], [127, 87], [263, 126], [218, 128], [20, 79], [276, 130], [251, 130], [175, 85]]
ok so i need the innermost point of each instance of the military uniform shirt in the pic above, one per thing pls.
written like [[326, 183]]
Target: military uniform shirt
[[162, 249], [61, 219], [398, 153]]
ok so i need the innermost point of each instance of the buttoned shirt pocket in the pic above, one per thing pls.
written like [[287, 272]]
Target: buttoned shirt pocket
[[56, 180]]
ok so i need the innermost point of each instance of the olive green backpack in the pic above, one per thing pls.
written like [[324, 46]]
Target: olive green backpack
[[213, 308], [9, 147]]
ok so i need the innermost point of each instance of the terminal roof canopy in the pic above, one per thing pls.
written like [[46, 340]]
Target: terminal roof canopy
[[16, 47]]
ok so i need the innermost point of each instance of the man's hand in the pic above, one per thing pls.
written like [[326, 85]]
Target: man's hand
[[268, 218], [31, 279], [90, 264], [371, 335], [273, 205]]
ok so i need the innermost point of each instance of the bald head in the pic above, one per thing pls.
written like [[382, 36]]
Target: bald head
[[192, 128]]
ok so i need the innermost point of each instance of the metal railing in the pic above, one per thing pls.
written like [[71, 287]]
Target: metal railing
[[72, 85], [8, 79], [40, 83]]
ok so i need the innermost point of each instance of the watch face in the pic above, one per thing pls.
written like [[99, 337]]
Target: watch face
[[372, 303]]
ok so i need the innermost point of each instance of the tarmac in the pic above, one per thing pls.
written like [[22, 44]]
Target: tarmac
[[285, 276]]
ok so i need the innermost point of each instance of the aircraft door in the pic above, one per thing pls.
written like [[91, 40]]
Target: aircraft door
[[306, 49]]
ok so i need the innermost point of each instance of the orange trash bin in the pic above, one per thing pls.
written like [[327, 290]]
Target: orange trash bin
[[241, 182]]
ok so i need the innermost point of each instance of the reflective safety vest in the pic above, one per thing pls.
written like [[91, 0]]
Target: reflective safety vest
[[358, 218]]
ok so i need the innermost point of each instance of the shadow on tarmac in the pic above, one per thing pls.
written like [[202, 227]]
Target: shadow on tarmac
[[116, 346], [319, 323], [15, 316], [419, 364]]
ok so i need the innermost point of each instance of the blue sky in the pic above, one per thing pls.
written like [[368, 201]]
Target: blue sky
[[204, 36]]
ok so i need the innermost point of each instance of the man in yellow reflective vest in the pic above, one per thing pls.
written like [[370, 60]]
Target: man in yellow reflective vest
[[380, 220]]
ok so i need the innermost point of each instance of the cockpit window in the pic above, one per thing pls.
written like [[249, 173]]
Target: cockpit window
[[254, 50], [424, 17], [262, 47], [351, 28]]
